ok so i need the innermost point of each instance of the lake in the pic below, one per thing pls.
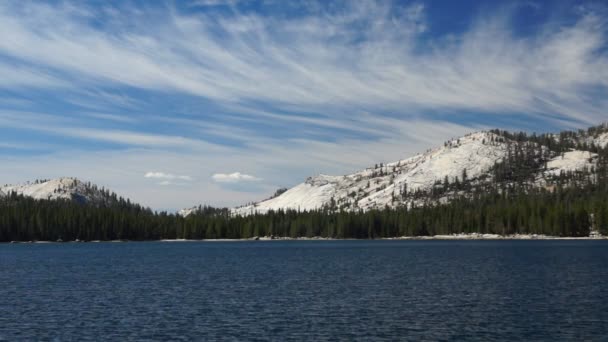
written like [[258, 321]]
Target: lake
[[305, 290]]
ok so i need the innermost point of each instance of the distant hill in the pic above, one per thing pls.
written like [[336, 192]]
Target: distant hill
[[61, 188]]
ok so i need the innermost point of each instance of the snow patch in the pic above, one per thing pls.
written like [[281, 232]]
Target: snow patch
[[571, 161], [601, 140]]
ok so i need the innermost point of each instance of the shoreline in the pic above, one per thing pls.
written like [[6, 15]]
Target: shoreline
[[477, 236], [462, 237]]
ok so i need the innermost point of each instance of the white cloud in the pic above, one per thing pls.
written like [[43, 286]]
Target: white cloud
[[235, 177], [14, 76], [67, 127], [322, 63], [112, 117], [162, 175], [212, 3]]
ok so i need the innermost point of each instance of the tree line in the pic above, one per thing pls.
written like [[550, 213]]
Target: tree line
[[565, 211]]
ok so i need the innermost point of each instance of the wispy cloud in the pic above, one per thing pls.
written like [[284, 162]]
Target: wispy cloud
[[162, 175], [212, 3], [74, 128], [167, 179], [235, 177], [111, 117], [324, 63], [15, 76]]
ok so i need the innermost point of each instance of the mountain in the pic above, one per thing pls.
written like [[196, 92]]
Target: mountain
[[377, 186], [477, 161], [60, 188]]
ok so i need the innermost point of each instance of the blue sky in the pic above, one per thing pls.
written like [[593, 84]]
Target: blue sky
[[177, 103]]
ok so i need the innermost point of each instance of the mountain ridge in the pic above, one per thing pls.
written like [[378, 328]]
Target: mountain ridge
[[473, 158]]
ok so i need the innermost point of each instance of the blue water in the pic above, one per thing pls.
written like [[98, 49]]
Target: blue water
[[307, 290]]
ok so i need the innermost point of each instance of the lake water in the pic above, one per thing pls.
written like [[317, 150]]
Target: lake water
[[305, 290]]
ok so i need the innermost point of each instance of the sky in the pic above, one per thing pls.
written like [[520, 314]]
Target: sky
[[221, 102]]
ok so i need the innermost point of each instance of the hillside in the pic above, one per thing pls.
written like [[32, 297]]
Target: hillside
[[384, 184], [475, 162]]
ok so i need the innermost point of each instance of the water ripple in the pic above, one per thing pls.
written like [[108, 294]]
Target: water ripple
[[293, 291]]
